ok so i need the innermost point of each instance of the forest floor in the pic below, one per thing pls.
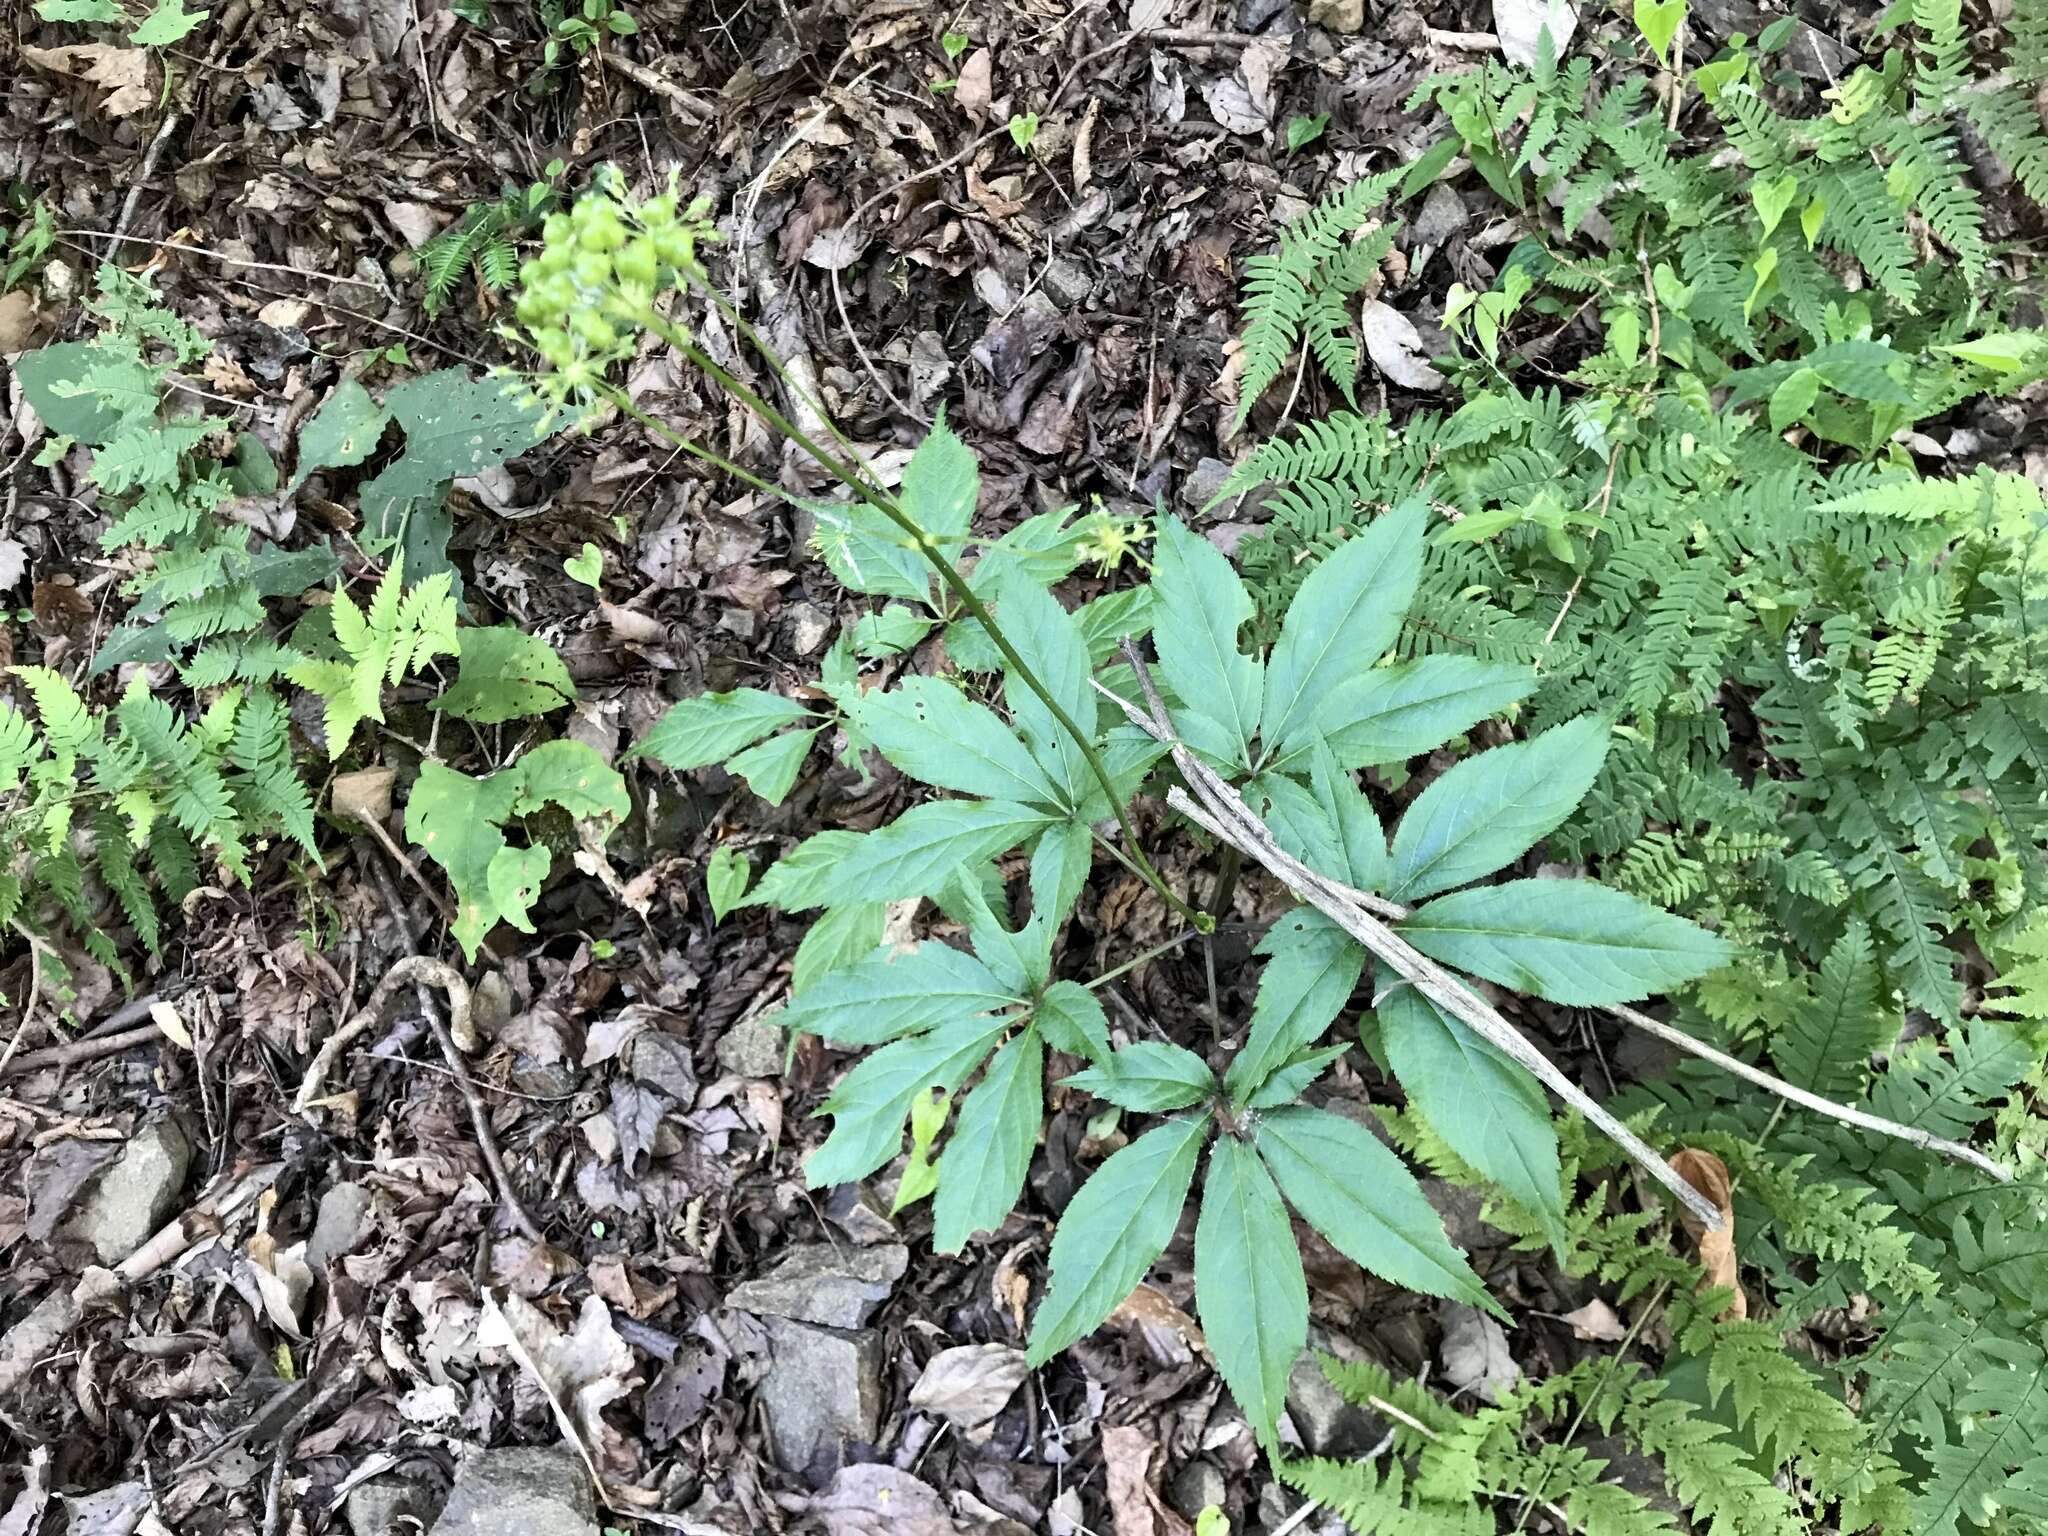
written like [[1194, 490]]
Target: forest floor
[[1070, 302]]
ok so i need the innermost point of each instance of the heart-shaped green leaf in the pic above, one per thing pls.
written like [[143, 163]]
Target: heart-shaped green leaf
[[587, 567], [1023, 129], [1772, 198], [1658, 21]]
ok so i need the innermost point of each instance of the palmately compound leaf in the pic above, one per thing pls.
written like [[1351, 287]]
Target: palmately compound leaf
[[839, 938], [1312, 967], [1199, 607], [1492, 807], [1364, 1201], [711, 727], [1114, 1227], [1073, 1021], [1568, 941], [886, 995], [1487, 1109], [1249, 1287], [1390, 714], [869, 1105], [506, 674], [936, 734], [1150, 1077], [1346, 615], [915, 855], [981, 1172]]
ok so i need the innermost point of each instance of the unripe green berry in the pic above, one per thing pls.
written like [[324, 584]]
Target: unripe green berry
[[593, 329], [674, 246], [637, 263], [556, 230]]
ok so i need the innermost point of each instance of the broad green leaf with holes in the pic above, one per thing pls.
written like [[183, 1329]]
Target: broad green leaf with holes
[[343, 432], [1249, 1286], [506, 674], [1112, 1230], [166, 24], [571, 774]]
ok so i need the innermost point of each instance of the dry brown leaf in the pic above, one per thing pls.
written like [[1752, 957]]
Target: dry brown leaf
[[579, 1371], [1126, 1453], [1147, 1307], [1598, 1322], [1709, 1175], [123, 71], [364, 795], [969, 1385], [974, 89], [1395, 347]]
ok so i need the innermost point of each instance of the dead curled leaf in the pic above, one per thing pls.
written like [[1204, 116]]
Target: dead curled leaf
[[1709, 1175], [969, 1385], [123, 71], [1396, 348]]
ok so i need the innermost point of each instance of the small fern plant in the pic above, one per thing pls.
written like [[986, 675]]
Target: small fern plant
[[1299, 295], [485, 240]]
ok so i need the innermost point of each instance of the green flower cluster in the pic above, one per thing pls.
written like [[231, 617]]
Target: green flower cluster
[[585, 298]]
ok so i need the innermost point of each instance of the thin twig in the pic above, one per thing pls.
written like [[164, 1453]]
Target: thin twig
[[480, 1122], [28, 1004], [287, 1442], [75, 1051], [414, 968], [133, 200]]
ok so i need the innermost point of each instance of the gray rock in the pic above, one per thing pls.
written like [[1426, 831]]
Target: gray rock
[[1196, 1486], [1066, 282], [819, 1283], [823, 1385], [523, 1489], [379, 1506], [1459, 1208], [752, 1048], [136, 1195], [339, 1226], [1203, 482], [1327, 1423]]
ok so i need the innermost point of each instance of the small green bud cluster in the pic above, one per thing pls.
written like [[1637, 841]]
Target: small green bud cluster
[[584, 298]]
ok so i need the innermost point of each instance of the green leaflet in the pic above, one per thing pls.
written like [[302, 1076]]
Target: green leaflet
[[1344, 618], [726, 874], [1019, 960], [1294, 1078], [1073, 1021], [1312, 967], [770, 767], [838, 938], [1199, 608], [981, 1172], [1364, 1201], [1487, 809], [1331, 827], [1401, 711], [506, 674], [867, 553], [1569, 941], [1150, 1077], [868, 1106], [1045, 635], [1827, 1045], [713, 726], [1059, 868], [887, 995], [915, 855], [1113, 1228], [934, 733], [941, 483], [1487, 1109], [397, 635], [1249, 1286]]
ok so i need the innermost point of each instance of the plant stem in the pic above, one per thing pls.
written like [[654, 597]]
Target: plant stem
[[1131, 965], [949, 573]]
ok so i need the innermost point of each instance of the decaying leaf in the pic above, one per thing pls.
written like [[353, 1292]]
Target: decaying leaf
[[969, 1385], [1709, 1175], [1520, 25], [580, 1371], [1475, 1352], [1396, 348]]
